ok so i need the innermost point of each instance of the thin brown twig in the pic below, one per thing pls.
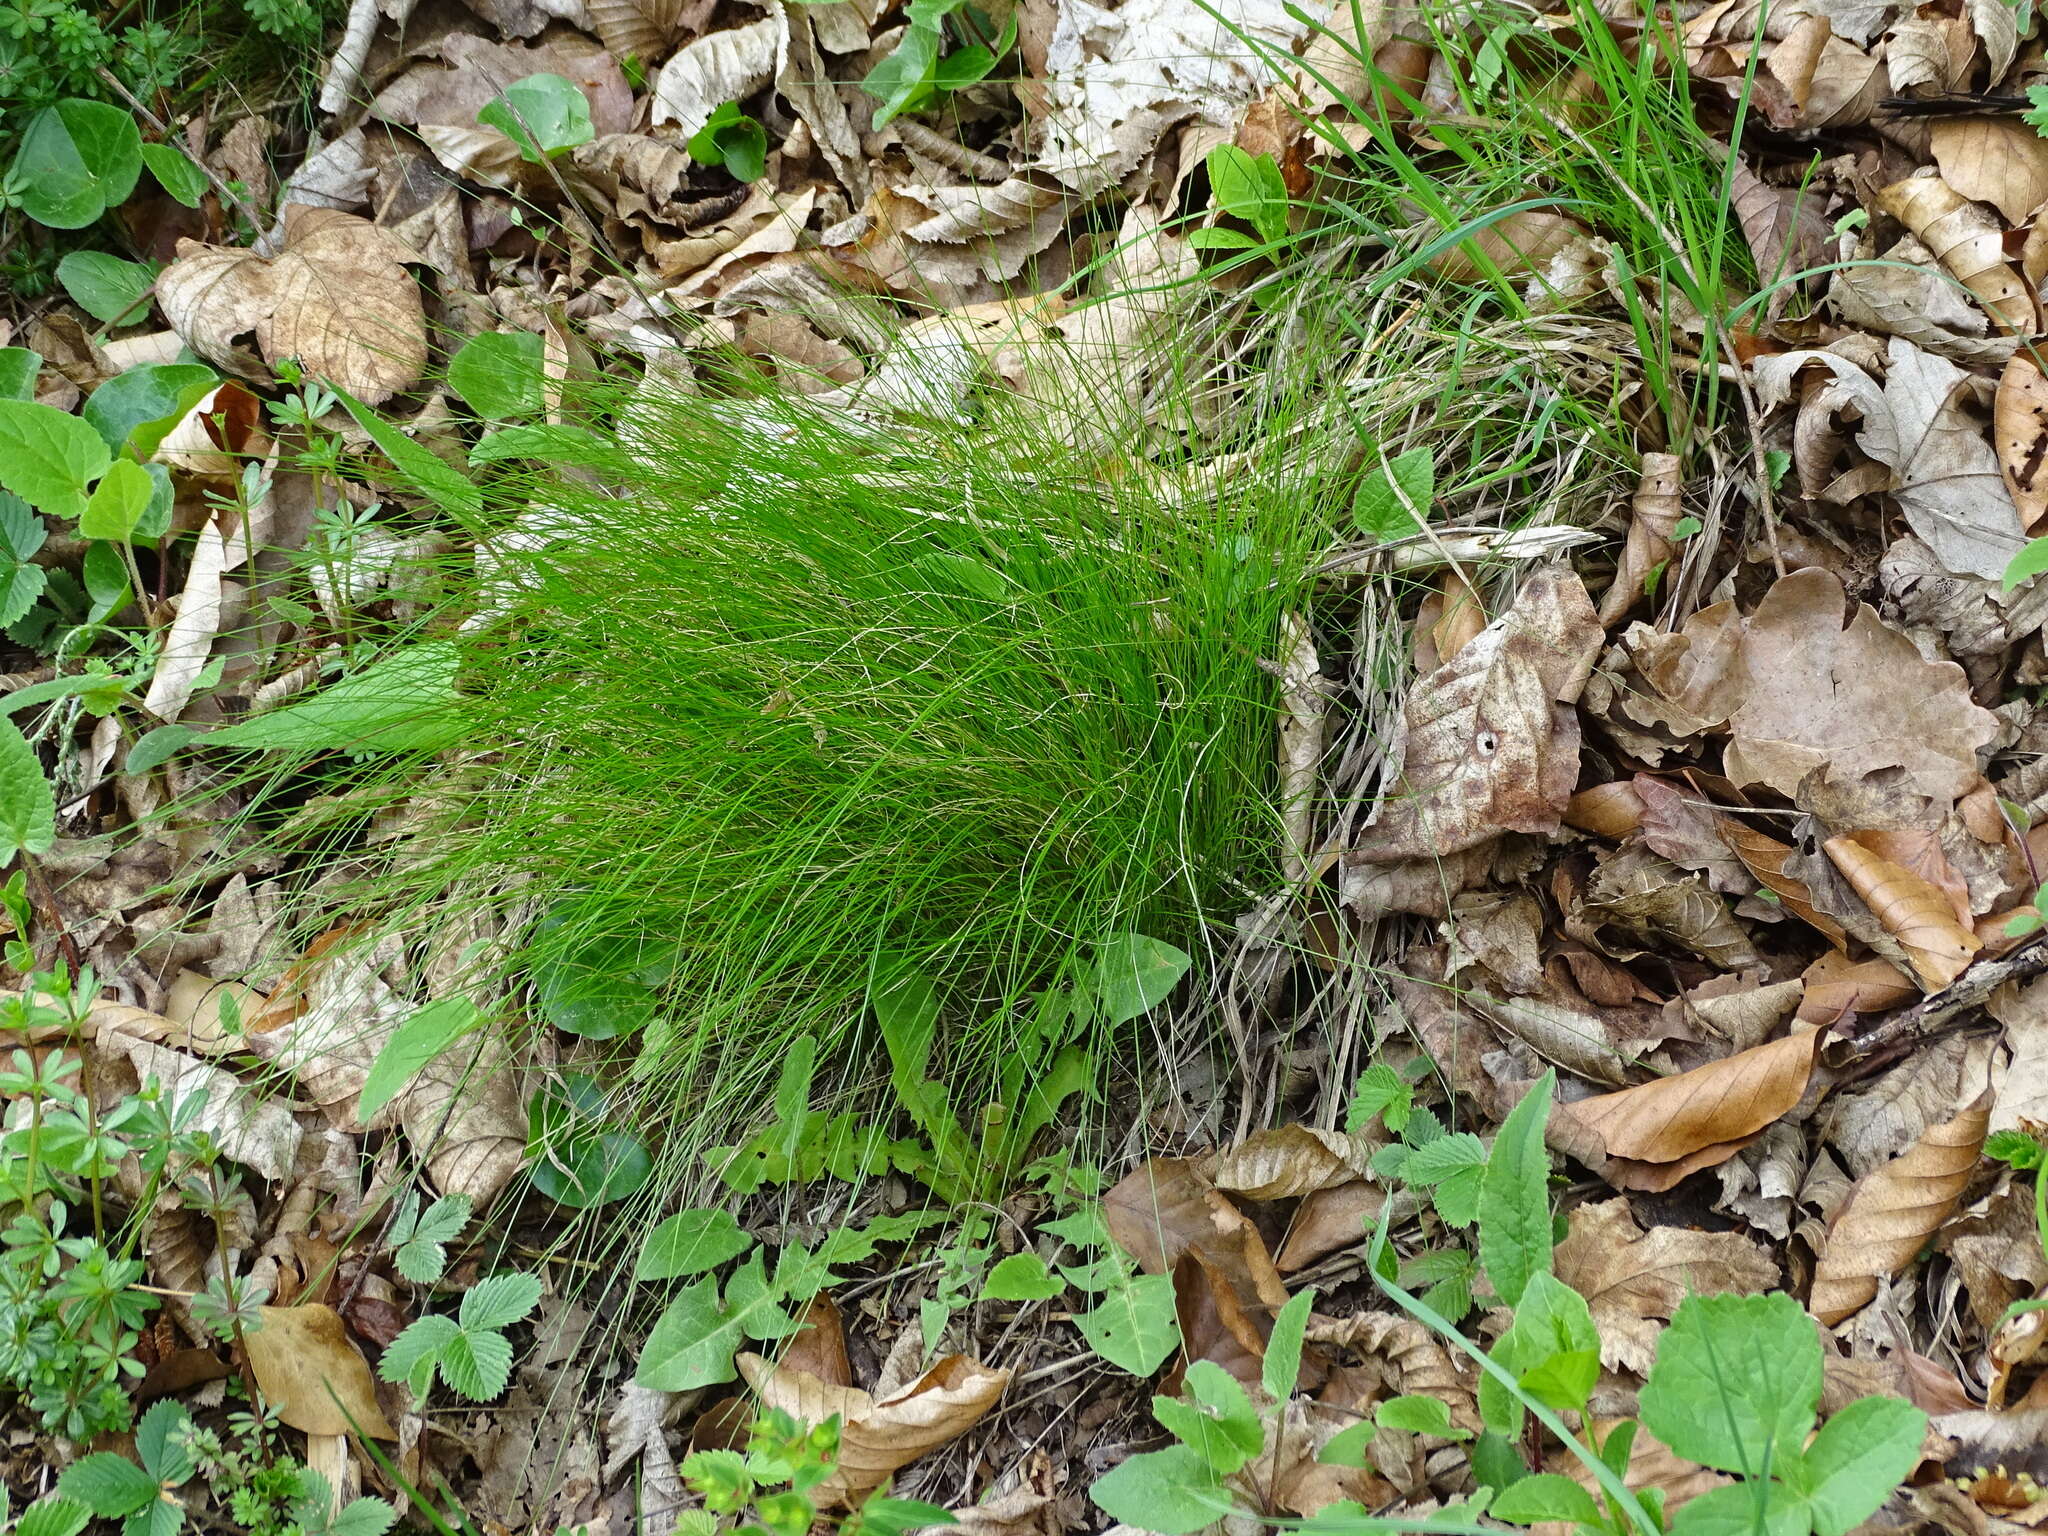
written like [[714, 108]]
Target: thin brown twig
[[1954, 1007]]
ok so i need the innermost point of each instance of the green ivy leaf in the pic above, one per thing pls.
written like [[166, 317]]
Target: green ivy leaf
[[1134, 1327], [500, 374], [543, 114], [106, 287], [48, 457], [175, 173], [1172, 1492], [1735, 1382], [1514, 1196], [1021, 1277], [28, 806], [689, 1243], [77, 159]]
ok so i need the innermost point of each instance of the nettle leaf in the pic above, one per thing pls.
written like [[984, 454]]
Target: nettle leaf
[[1220, 1425], [1859, 1456], [28, 806], [48, 457], [424, 1035], [21, 535], [1133, 974], [1514, 1196], [104, 286], [543, 114], [1021, 1277], [689, 1243], [1452, 1168], [500, 374], [175, 173], [1172, 1492], [77, 159], [1380, 508], [1735, 1381], [1134, 1327]]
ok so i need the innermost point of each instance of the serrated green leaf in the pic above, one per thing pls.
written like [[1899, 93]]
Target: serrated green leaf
[[1545, 1496], [411, 1356], [424, 1035], [477, 1364], [53, 1515], [28, 806], [1134, 1327], [1380, 1091], [689, 1243], [499, 1301], [1171, 1492], [1735, 1381], [1220, 1425], [1764, 1507], [361, 1517], [48, 457], [1857, 1459], [18, 369], [108, 1485], [1281, 1368], [158, 1442], [1021, 1277], [1514, 1197]]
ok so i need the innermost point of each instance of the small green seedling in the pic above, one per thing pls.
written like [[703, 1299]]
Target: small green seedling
[[914, 74], [469, 1351], [1249, 188], [2029, 919], [545, 115], [734, 140]]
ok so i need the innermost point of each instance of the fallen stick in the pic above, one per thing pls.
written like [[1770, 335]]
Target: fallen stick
[[1950, 1008]]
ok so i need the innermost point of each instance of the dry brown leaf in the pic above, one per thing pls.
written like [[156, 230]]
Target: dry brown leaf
[[1996, 160], [312, 1373], [644, 29], [1787, 237], [1526, 241], [1904, 295], [1491, 744], [1633, 1280], [1968, 245], [1711, 1108], [1653, 514], [337, 298], [1407, 1357], [1609, 810], [1328, 1220], [1837, 986], [1892, 1212], [1917, 914], [1765, 858], [1167, 1208], [2019, 425], [1450, 618], [1289, 1161], [1646, 894], [1685, 827], [876, 1437]]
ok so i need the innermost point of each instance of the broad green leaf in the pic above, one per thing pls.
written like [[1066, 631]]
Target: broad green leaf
[[104, 286], [1514, 1196], [555, 444], [1171, 1492], [1224, 240], [110, 1486], [592, 991], [28, 806], [1249, 187], [793, 1093], [902, 82], [106, 580], [155, 748], [594, 1170], [689, 1243], [404, 702], [1452, 1168], [1545, 1496], [117, 502], [499, 374], [498, 1301], [434, 478], [1379, 506], [18, 369], [77, 159], [49, 458], [1859, 1456], [477, 1364], [1765, 1507], [906, 1005], [425, 1034], [160, 1442], [1347, 1447], [1220, 1425], [732, 139], [2028, 563], [101, 690], [1735, 1382], [1133, 974], [1021, 1277], [543, 114], [692, 1344], [1495, 1462], [175, 173], [1134, 1327], [54, 1515], [1552, 1349], [140, 406], [1282, 1366], [1380, 1091], [1419, 1416]]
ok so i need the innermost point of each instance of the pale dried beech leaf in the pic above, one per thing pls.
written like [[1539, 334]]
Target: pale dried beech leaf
[[1917, 914], [720, 67], [310, 1370], [1787, 237], [1871, 1127], [1522, 242], [1610, 810], [251, 1127], [1646, 894], [1906, 296], [1967, 243], [878, 1436], [1490, 744], [1576, 1038], [2019, 426], [1289, 1161], [337, 298], [1411, 1360], [1996, 160], [1892, 1212], [1712, 1107], [1837, 986], [1653, 515], [641, 29]]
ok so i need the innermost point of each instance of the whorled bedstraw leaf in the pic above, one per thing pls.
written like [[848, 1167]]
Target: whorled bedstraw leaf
[[28, 806], [1134, 1326], [1514, 1196]]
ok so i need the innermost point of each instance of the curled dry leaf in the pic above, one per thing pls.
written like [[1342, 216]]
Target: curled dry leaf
[[1653, 515], [1837, 986], [1968, 245], [1919, 915], [1695, 1119], [1891, 1212], [1646, 894], [337, 298], [1786, 234], [1904, 295], [1610, 810], [1409, 1359], [1766, 857], [1289, 1161], [1633, 1280], [1996, 160], [1685, 827], [311, 1371], [876, 1437], [1490, 744], [720, 67], [2019, 427]]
